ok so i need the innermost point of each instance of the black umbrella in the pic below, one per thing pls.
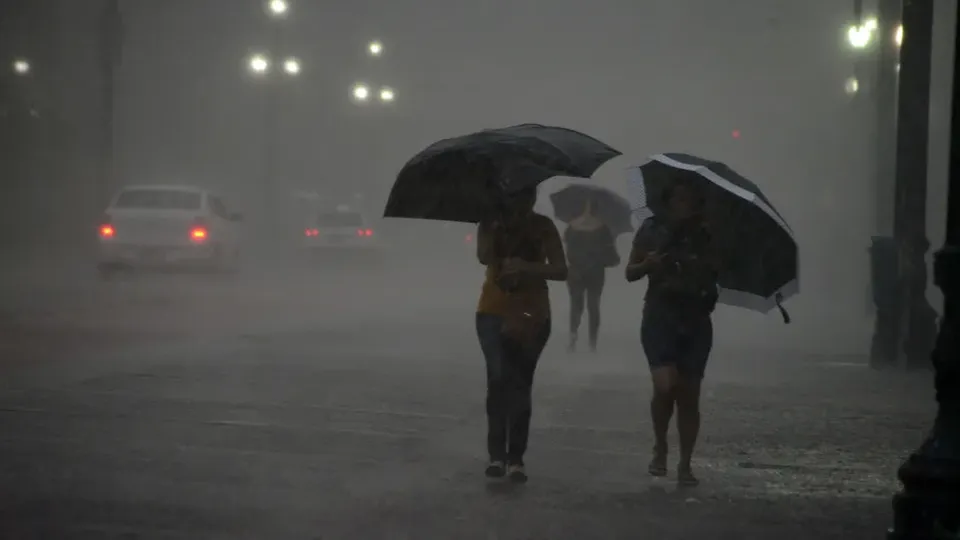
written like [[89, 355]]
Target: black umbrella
[[759, 256], [612, 209], [465, 178]]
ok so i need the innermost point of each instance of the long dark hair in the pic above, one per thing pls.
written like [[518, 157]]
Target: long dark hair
[[513, 240]]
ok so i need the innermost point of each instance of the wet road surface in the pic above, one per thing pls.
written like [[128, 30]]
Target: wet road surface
[[292, 408]]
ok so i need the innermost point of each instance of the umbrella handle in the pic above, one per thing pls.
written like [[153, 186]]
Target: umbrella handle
[[783, 312]]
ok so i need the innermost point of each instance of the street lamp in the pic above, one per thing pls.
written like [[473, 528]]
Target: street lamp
[[278, 8], [375, 48], [361, 92], [21, 66], [898, 35], [259, 64], [387, 95], [291, 66], [859, 36]]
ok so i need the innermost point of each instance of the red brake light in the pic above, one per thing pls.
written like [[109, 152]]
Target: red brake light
[[106, 231], [469, 238], [198, 234], [368, 232], [311, 232]]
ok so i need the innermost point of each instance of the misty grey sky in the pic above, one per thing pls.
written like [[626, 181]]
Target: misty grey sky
[[644, 75], [658, 75]]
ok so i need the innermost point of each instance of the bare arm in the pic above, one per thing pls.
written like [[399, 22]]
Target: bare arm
[[611, 245], [486, 252], [636, 269], [640, 262], [555, 269]]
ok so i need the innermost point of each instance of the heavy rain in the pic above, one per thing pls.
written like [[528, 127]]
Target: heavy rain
[[239, 299]]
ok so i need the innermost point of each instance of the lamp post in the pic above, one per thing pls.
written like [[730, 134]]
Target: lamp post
[[271, 74], [271, 70], [927, 506], [917, 317]]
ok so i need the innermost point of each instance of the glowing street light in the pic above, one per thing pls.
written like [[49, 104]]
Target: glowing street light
[[21, 66], [387, 95], [859, 36], [291, 66], [259, 64], [851, 86], [361, 92], [898, 35], [278, 8], [375, 48]]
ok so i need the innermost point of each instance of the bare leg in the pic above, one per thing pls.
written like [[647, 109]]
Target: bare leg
[[688, 425], [593, 313], [577, 291], [661, 410]]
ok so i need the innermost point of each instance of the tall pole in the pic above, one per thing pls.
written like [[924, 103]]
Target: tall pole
[[270, 133], [110, 54], [927, 506], [888, 324], [917, 328], [888, 18]]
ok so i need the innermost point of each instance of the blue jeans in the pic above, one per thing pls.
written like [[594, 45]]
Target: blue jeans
[[510, 369]]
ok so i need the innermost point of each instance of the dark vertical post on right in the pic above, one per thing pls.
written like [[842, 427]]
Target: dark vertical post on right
[[927, 506], [918, 320]]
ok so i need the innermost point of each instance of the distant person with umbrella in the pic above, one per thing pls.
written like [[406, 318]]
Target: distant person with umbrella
[[491, 178], [594, 217], [712, 237]]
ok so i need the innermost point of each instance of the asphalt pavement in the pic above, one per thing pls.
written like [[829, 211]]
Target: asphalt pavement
[[335, 404]]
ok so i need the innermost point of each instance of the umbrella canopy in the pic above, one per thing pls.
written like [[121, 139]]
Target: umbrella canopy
[[612, 209], [466, 178], [759, 255]]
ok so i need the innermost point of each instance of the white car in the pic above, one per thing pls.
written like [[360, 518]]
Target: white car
[[168, 226], [340, 230]]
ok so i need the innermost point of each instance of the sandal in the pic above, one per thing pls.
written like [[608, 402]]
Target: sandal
[[658, 465], [685, 478]]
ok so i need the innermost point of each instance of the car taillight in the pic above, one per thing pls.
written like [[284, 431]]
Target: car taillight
[[198, 234], [364, 232], [106, 231], [311, 232], [469, 238]]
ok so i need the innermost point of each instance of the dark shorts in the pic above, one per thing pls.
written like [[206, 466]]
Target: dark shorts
[[680, 340]]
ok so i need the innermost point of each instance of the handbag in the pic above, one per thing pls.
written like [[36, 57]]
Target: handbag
[[525, 314], [526, 309]]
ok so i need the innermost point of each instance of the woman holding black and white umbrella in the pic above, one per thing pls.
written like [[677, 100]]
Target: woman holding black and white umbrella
[[674, 252], [713, 237]]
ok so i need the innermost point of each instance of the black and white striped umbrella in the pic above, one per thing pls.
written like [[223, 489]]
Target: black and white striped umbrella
[[759, 255]]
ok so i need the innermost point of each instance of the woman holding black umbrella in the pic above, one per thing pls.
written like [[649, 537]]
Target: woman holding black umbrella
[[522, 251], [490, 178]]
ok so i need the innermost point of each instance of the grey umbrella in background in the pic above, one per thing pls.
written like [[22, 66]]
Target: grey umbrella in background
[[613, 210], [466, 178]]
